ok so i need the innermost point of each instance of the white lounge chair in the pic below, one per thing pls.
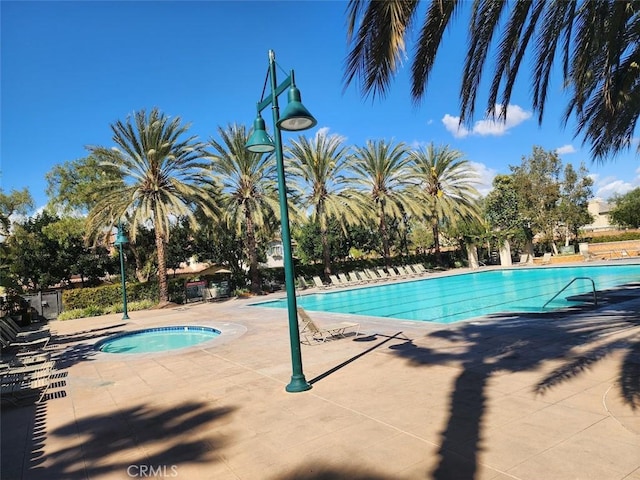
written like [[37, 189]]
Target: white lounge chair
[[318, 282], [312, 332]]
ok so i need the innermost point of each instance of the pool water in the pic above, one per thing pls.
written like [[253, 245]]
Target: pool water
[[157, 339], [453, 298]]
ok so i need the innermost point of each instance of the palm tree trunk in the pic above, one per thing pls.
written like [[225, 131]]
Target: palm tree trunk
[[385, 238], [436, 242], [324, 237], [163, 285], [254, 274]]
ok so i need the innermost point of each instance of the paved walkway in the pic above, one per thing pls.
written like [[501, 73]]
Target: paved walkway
[[503, 398]]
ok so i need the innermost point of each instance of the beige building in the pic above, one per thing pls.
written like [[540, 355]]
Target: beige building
[[599, 209]]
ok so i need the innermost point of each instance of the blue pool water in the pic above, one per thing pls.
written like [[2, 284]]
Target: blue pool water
[[157, 339], [457, 297]]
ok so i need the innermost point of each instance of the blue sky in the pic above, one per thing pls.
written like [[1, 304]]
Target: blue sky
[[70, 69]]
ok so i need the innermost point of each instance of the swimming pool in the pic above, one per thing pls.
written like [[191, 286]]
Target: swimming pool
[[452, 298], [157, 339]]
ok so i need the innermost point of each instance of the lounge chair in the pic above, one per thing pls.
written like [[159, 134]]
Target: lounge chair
[[546, 258], [524, 259], [336, 282], [350, 280], [25, 359], [419, 269], [373, 276], [318, 282], [26, 384], [405, 271], [383, 274], [29, 390], [361, 277], [33, 327], [7, 374], [22, 335], [319, 333], [12, 342]]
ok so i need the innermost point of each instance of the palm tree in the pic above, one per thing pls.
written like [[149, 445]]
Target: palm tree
[[598, 41], [447, 183], [381, 178], [319, 164], [162, 177], [250, 196]]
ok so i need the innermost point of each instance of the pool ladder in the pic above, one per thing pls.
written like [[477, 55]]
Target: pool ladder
[[593, 285]]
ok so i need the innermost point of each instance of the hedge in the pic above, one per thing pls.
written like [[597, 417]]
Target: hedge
[[107, 295]]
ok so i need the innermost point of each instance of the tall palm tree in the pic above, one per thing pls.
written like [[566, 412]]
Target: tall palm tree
[[317, 167], [447, 184], [250, 196], [381, 178], [163, 176], [598, 41]]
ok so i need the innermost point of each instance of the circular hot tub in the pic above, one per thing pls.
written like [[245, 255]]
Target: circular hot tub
[[157, 339]]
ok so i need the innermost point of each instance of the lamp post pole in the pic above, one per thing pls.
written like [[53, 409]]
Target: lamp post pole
[[121, 239], [295, 118]]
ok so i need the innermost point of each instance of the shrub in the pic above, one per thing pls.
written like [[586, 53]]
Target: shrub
[[613, 237], [96, 311]]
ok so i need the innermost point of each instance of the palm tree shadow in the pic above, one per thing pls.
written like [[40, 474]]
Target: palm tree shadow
[[164, 439], [517, 343]]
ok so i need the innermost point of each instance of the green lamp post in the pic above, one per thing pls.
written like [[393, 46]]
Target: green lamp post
[[294, 118], [121, 239]]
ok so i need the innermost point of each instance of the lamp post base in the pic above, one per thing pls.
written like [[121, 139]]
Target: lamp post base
[[298, 384], [125, 317]]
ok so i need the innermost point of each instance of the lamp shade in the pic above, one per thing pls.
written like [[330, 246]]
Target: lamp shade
[[295, 117], [121, 238], [259, 141]]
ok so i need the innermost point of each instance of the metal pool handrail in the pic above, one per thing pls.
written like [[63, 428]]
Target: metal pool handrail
[[593, 284]]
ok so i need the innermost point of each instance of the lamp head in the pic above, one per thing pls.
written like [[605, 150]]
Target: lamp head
[[295, 117], [121, 238], [259, 141]]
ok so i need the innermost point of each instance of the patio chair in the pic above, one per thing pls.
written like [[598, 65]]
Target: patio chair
[[12, 342], [8, 374], [393, 273], [362, 277], [33, 327], [22, 335], [319, 333], [318, 282], [373, 276], [350, 280], [419, 269], [23, 392], [405, 271], [383, 274], [24, 359], [25, 384]]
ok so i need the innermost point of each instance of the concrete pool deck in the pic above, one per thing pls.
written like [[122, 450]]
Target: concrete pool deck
[[507, 397]]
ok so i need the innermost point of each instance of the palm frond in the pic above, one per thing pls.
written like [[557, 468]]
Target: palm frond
[[379, 46]]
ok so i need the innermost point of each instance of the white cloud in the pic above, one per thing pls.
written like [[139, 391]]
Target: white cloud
[[606, 187], [452, 124], [489, 126], [565, 149], [485, 177], [325, 131]]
